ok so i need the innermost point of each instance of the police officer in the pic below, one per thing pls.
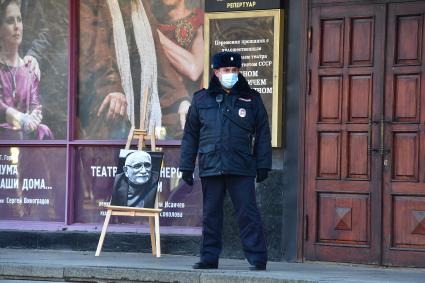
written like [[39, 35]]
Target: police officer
[[227, 127]]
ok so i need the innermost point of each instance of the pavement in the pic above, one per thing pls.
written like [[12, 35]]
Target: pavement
[[42, 266]]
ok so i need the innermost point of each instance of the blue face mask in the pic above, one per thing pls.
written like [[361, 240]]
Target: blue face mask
[[228, 80]]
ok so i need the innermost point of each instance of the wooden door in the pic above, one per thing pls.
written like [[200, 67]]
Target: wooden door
[[343, 200], [404, 151]]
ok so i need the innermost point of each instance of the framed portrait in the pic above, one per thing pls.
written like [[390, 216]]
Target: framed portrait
[[137, 177], [257, 36]]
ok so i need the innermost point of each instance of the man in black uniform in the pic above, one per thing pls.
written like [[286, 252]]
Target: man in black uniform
[[227, 126]]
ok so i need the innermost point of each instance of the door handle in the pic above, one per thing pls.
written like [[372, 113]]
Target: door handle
[[369, 138], [382, 151]]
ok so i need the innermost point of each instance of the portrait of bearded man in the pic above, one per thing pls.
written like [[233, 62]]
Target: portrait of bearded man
[[137, 185]]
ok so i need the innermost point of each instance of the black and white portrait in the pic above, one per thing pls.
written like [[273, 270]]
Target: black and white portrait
[[136, 181]]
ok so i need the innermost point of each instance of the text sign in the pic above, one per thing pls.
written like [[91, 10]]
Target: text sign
[[232, 5]]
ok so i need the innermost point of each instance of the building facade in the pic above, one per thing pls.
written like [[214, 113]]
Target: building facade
[[347, 183]]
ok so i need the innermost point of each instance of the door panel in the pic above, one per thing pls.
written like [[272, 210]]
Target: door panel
[[404, 173], [343, 180], [361, 52], [333, 42], [365, 135]]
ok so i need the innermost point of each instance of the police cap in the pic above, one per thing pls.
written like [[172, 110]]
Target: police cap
[[227, 59]]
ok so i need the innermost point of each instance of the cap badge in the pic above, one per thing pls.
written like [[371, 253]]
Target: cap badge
[[231, 58], [242, 112]]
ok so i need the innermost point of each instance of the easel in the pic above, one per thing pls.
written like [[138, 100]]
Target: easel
[[153, 213]]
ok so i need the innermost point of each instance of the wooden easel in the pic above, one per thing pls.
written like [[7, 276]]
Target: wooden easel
[[153, 213]]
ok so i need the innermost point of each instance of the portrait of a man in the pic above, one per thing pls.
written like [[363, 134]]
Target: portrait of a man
[[136, 185]]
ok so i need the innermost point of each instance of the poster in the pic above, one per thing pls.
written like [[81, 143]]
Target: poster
[[136, 180], [34, 69], [32, 183], [132, 52], [256, 35], [96, 170]]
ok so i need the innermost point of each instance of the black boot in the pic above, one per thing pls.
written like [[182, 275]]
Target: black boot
[[205, 265]]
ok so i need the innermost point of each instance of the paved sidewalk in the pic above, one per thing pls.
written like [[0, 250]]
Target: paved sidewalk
[[60, 265]]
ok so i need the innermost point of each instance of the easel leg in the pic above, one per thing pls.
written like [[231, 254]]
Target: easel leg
[[157, 237], [152, 230], [102, 235]]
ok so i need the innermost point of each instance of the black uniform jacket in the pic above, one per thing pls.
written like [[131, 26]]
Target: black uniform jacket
[[231, 136]]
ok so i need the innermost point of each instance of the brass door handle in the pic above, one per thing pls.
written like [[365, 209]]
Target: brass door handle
[[381, 149], [369, 137]]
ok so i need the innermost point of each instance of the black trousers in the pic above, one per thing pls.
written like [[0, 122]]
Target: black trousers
[[242, 193]]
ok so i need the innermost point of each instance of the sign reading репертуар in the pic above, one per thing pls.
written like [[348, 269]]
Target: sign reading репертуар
[[232, 5]]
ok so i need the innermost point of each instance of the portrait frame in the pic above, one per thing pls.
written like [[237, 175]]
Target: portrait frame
[[277, 53], [148, 193]]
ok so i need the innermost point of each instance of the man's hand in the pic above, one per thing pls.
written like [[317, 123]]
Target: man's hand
[[32, 63], [116, 103], [187, 176], [262, 174], [183, 108]]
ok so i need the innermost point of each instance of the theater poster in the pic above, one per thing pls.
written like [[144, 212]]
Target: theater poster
[[34, 70], [32, 183], [257, 35], [135, 51], [98, 168]]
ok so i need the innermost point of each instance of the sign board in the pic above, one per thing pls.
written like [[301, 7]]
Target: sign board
[[232, 5], [257, 36]]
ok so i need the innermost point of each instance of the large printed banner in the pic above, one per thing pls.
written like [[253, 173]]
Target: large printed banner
[[96, 169], [32, 183], [132, 52], [33, 69], [33, 187]]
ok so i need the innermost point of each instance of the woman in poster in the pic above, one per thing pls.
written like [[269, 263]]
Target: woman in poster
[[181, 35], [111, 33], [20, 108]]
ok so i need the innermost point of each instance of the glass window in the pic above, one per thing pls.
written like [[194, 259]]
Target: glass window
[[96, 168], [33, 69], [32, 183], [136, 53], [130, 54]]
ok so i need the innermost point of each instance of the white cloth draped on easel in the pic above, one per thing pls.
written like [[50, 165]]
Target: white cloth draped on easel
[[146, 49]]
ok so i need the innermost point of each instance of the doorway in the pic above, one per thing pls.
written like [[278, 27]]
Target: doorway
[[365, 134]]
